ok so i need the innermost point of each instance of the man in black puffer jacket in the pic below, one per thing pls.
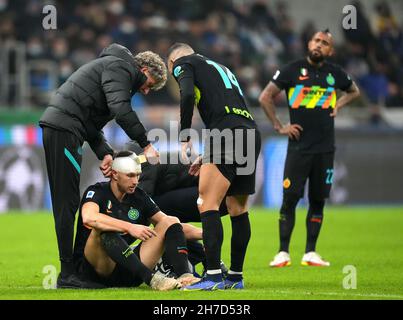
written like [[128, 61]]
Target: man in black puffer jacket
[[96, 93]]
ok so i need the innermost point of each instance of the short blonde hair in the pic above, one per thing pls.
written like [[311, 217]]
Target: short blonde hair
[[156, 67]]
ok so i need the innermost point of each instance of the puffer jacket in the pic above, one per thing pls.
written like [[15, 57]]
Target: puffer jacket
[[96, 93]]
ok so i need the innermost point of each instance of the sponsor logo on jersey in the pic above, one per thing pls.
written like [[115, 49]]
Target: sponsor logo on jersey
[[311, 97], [238, 111], [286, 183], [133, 214]]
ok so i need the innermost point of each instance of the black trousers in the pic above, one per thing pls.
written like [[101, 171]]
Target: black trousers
[[63, 155]]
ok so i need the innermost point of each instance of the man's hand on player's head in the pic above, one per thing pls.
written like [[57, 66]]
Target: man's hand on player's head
[[152, 155], [106, 165], [293, 131]]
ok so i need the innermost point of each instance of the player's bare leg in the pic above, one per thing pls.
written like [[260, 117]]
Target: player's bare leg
[[105, 250], [191, 232], [213, 187], [97, 256]]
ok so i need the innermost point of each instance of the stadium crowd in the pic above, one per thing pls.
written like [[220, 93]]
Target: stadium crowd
[[253, 38]]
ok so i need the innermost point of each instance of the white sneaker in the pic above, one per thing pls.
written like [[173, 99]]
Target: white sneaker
[[161, 283], [281, 259], [314, 259]]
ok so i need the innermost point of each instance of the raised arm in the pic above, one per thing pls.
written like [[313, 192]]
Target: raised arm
[[116, 83]]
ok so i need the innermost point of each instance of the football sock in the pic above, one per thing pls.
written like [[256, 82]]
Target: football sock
[[287, 220], [239, 241], [176, 249], [121, 253], [212, 238], [214, 275], [196, 252], [234, 276], [66, 268], [314, 221]]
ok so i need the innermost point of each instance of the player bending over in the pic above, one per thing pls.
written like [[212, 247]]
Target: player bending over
[[213, 88]]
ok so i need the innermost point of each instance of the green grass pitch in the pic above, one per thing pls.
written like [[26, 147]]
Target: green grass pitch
[[370, 239]]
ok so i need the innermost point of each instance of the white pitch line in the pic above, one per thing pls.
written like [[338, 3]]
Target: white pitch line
[[312, 294], [285, 292]]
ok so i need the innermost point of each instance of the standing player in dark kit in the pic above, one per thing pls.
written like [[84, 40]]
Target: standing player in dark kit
[[96, 93], [311, 85], [219, 98]]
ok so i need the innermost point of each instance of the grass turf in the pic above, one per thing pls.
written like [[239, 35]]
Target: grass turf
[[370, 239]]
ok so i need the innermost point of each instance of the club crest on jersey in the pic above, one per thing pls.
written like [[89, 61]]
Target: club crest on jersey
[[90, 194], [133, 214], [304, 72], [330, 79]]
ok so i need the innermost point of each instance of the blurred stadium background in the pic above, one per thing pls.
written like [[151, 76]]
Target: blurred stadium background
[[252, 37]]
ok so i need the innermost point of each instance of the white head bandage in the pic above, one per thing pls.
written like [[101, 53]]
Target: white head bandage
[[129, 164]]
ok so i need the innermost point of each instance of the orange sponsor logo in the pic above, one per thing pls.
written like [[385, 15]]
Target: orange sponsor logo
[[286, 183]]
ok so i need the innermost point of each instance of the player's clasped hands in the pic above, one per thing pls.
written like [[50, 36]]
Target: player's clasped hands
[[141, 232], [293, 131], [194, 169], [187, 151]]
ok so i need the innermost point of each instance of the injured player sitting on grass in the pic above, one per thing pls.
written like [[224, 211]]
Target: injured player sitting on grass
[[118, 213]]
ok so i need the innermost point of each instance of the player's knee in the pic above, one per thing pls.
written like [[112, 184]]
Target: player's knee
[[206, 205], [108, 239], [290, 202], [235, 207], [169, 221], [316, 206]]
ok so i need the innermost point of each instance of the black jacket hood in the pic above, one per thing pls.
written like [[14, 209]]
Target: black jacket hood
[[123, 53]]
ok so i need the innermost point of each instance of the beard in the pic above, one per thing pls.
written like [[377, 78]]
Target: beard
[[316, 58]]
